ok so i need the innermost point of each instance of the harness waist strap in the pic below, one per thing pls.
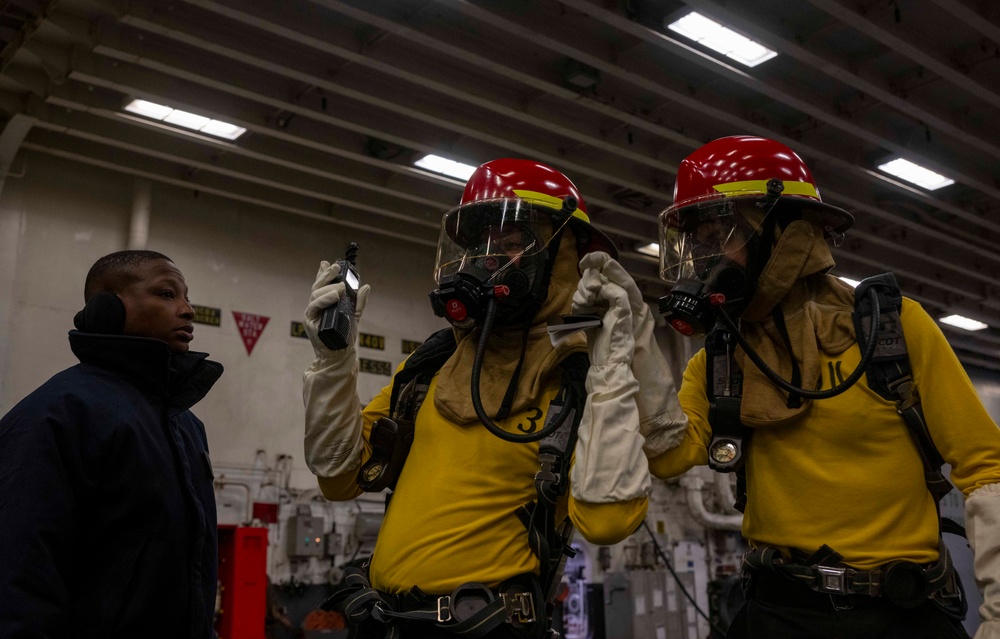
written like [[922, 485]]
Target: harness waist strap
[[904, 583]]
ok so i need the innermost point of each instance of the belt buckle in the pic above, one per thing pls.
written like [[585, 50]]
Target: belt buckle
[[832, 580], [519, 604], [444, 606]]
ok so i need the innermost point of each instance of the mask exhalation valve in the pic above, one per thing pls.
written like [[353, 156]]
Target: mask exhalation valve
[[688, 309]]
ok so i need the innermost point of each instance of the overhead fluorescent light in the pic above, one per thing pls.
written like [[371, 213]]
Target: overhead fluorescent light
[[448, 167], [722, 39], [906, 170], [187, 120], [223, 129], [148, 109], [848, 280], [652, 250], [963, 322]]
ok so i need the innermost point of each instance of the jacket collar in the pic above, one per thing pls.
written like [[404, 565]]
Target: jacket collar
[[180, 379]]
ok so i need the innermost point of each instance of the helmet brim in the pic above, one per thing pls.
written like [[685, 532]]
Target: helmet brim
[[834, 220], [590, 239]]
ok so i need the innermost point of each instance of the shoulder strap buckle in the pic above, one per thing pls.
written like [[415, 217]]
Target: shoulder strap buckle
[[905, 392], [549, 464], [519, 606]]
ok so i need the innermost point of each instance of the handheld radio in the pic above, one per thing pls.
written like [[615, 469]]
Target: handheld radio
[[337, 322]]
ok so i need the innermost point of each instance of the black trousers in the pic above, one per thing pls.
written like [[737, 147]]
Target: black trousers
[[420, 630], [777, 609]]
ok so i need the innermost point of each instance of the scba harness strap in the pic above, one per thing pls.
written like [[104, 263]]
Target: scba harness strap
[[472, 610], [904, 583], [391, 438], [548, 540], [890, 375]]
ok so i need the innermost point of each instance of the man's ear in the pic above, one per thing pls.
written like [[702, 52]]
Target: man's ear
[[104, 313]]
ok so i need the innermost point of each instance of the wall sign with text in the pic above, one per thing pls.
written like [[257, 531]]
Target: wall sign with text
[[207, 315], [366, 340], [408, 346], [250, 326], [375, 367]]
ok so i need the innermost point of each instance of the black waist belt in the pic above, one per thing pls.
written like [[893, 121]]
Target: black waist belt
[[904, 583], [775, 589], [472, 610]]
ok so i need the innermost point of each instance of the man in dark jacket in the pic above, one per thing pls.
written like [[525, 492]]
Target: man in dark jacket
[[107, 509]]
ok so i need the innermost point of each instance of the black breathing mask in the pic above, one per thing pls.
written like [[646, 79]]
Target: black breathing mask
[[692, 305], [516, 284], [461, 299], [716, 256], [688, 308]]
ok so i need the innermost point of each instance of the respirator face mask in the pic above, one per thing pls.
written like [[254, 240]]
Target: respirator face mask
[[492, 250], [707, 251]]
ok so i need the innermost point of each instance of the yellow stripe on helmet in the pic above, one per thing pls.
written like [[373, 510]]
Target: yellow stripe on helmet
[[551, 201], [760, 186]]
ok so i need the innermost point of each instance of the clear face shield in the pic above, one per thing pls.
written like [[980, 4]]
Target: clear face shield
[[705, 250], [695, 238], [492, 248]]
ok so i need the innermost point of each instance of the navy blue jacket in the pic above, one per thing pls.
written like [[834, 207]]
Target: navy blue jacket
[[107, 507]]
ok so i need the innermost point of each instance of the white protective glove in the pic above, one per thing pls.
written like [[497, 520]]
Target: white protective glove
[[982, 526], [610, 465], [661, 419], [333, 437]]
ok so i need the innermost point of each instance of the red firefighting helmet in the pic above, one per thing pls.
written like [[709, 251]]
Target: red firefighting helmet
[[749, 176], [506, 192], [741, 166]]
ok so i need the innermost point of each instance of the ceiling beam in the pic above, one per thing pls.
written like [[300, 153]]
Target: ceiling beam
[[272, 179], [972, 17], [480, 129], [981, 181], [101, 72], [317, 37], [234, 193], [740, 17], [878, 26], [852, 202]]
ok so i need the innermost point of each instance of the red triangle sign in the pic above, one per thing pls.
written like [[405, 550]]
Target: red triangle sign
[[251, 326]]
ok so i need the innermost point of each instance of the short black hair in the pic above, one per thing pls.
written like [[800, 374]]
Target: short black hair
[[114, 272]]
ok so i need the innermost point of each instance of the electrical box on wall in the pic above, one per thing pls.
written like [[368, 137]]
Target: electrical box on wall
[[305, 536]]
